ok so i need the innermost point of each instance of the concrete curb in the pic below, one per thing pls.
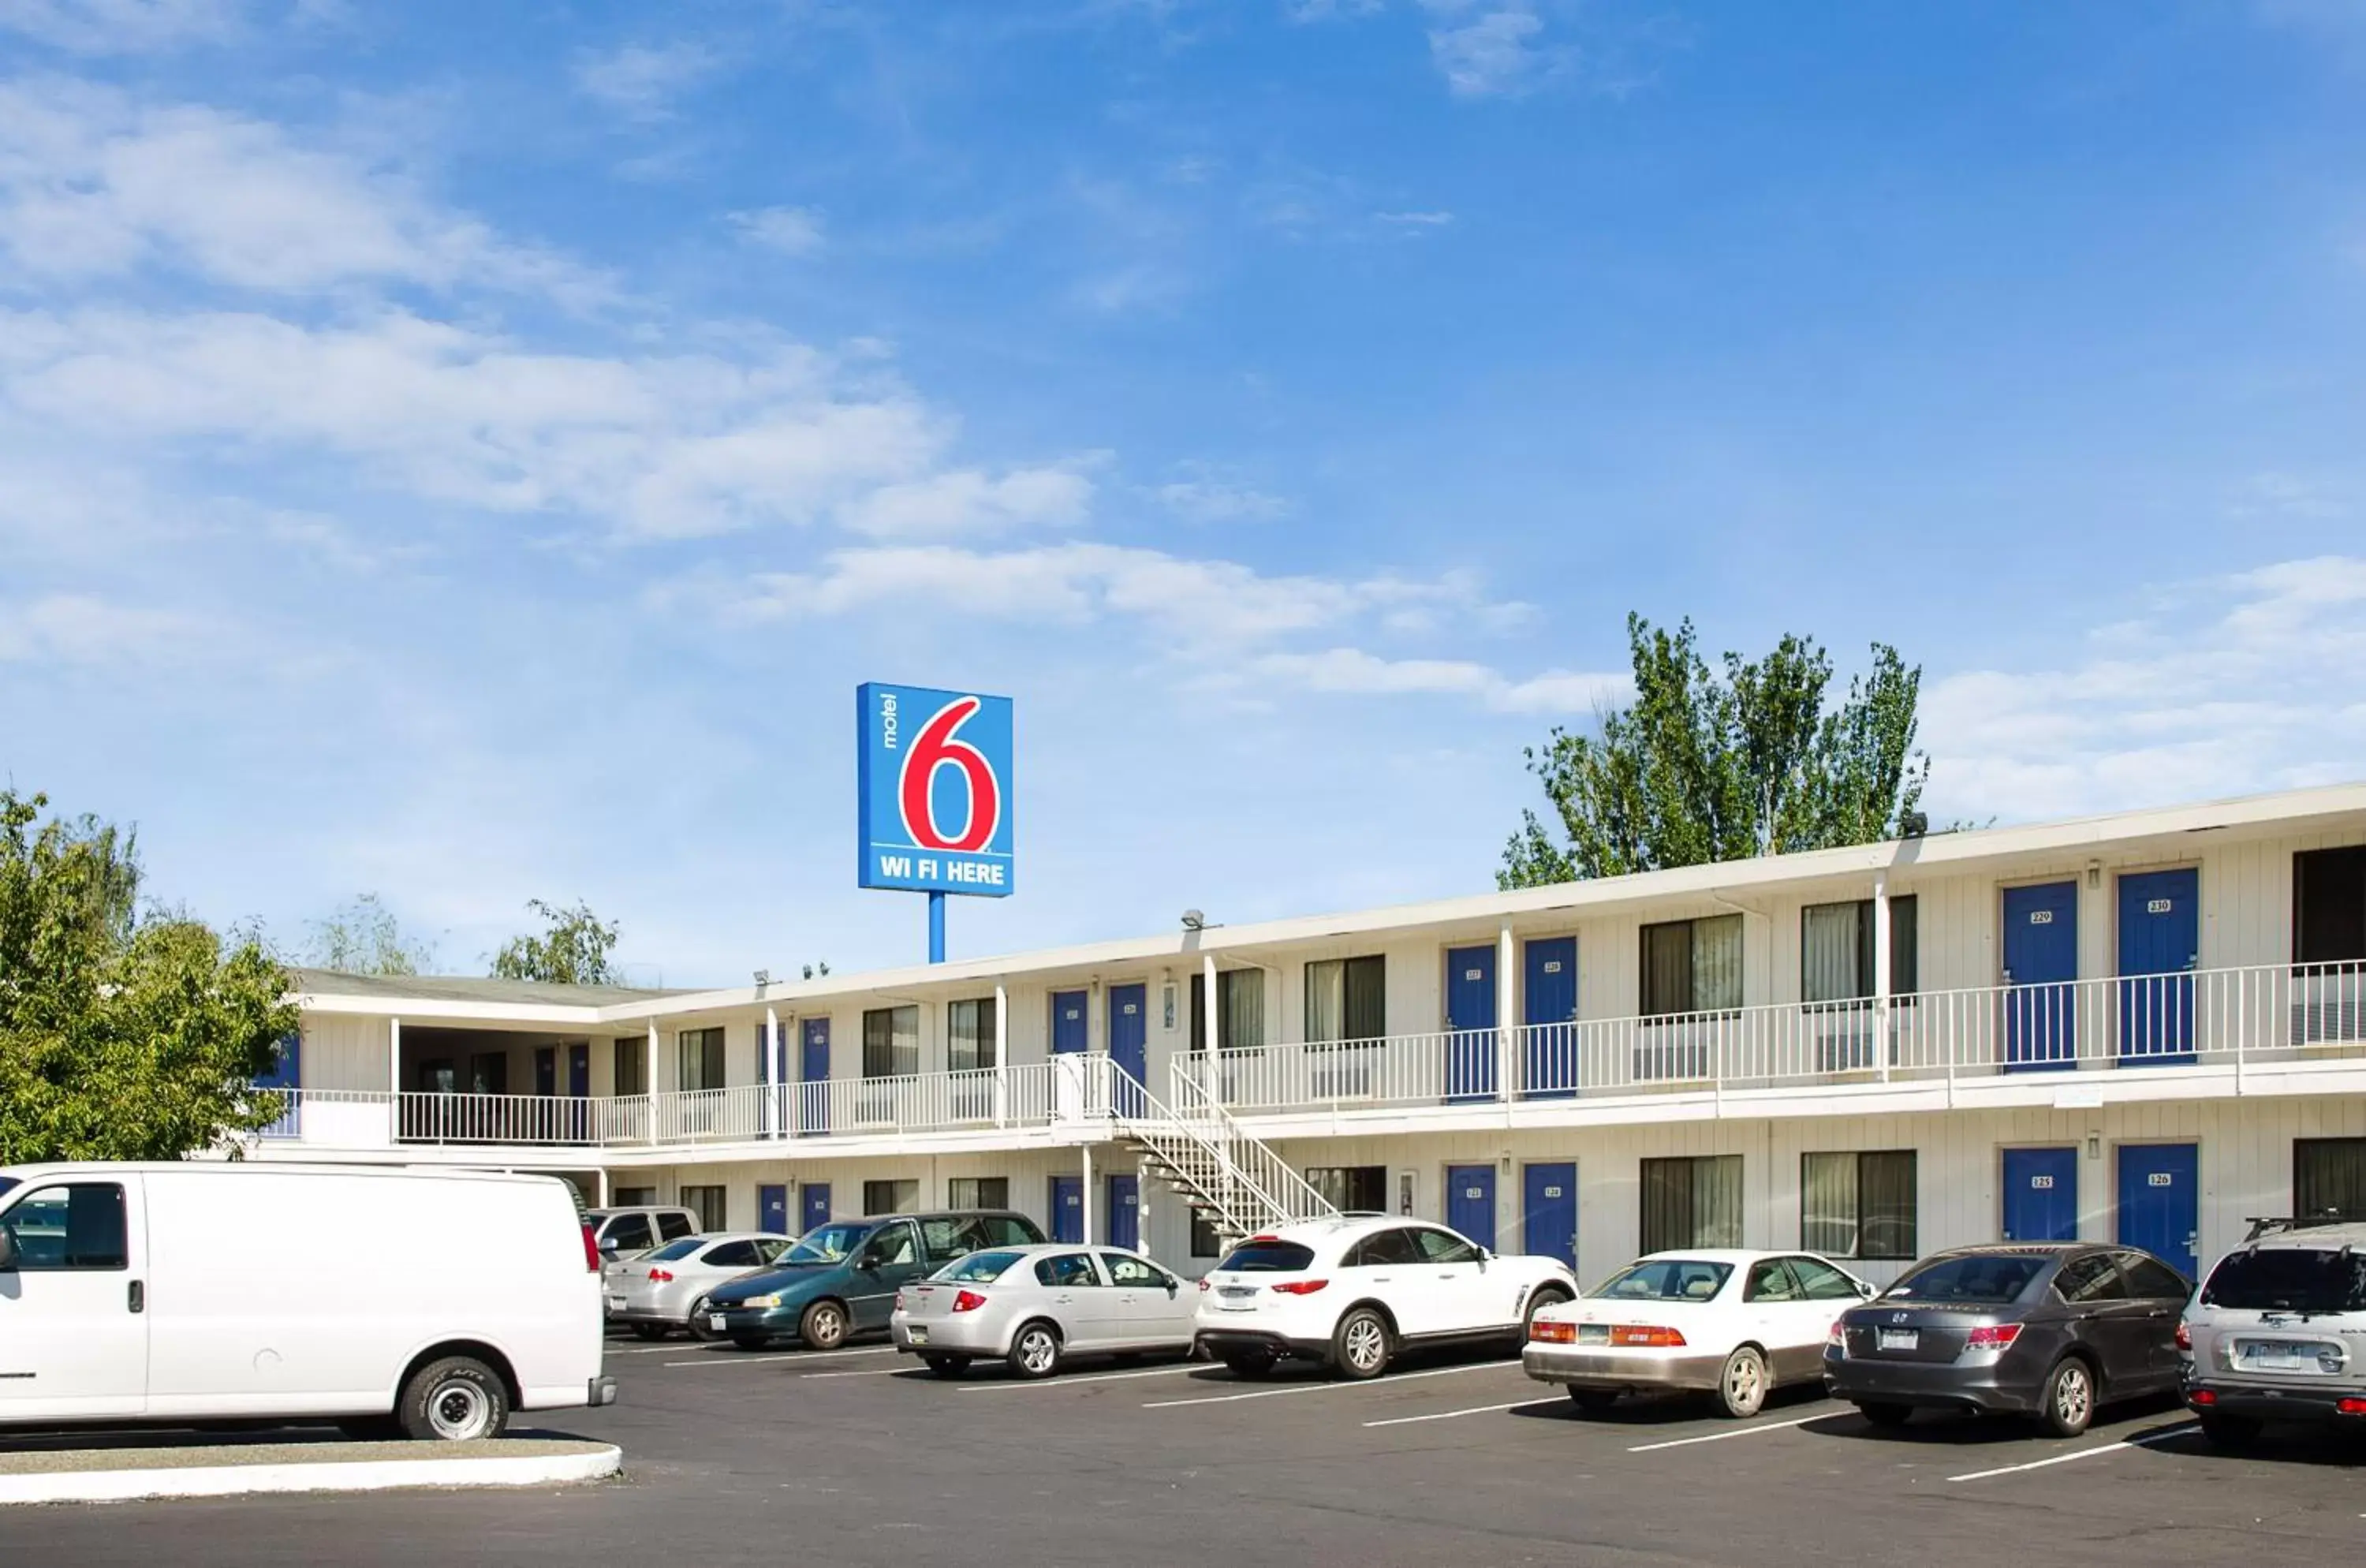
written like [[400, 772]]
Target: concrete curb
[[590, 1462]]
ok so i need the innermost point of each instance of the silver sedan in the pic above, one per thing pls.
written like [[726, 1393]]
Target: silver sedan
[[660, 1291], [1034, 1307]]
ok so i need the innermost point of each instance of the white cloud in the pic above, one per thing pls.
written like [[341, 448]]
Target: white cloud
[[2230, 686], [792, 230], [641, 81], [965, 500], [1486, 48], [122, 26], [78, 628], [1414, 221], [1201, 497], [1351, 669], [93, 185], [661, 446]]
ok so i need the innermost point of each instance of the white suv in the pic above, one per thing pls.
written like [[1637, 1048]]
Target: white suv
[[1352, 1291]]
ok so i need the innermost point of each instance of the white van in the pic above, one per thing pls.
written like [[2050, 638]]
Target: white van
[[433, 1303]]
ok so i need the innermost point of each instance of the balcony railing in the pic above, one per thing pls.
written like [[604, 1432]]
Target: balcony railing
[[2255, 1015], [1035, 1094]]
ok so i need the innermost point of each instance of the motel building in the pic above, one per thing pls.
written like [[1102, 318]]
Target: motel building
[[2147, 1027]]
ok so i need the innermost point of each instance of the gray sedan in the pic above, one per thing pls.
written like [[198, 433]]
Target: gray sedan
[[1034, 1307], [660, 1291]]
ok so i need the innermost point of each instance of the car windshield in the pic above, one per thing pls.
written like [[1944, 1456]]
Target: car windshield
[[826, 1243], [1264, 1255], [1983, 1281], [675, 1249], [1667, 1280], [2289, 1279], [977, 1269]]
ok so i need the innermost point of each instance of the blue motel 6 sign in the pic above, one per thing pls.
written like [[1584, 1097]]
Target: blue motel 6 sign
[[935, 790]]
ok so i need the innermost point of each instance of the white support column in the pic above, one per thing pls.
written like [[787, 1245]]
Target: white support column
[[1001, 1053], [394, 1081], [1507, 1003], [1881, 973], [1085, 1151], [1213, 1032], [601, 1201], [768, 1072]]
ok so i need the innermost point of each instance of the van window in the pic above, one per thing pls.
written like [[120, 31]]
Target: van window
[[78, 1226], [827, 1244], [1010, 1230], [627, 1233], [948, 1236], [2289, 1279], [672, 1224]]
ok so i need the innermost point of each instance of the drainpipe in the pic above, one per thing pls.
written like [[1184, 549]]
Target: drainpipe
[[1001, 1053], [1085, 1151], [393, 1081], [1212, 1014], [768, 1073]]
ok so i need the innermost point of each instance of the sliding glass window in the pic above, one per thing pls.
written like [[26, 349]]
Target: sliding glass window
[[969, 1035], [1693, 1200], [1858, 1205], [891, 1043], [1346, 1000]]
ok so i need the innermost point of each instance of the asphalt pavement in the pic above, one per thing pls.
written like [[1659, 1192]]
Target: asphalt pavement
[[858, 1458]]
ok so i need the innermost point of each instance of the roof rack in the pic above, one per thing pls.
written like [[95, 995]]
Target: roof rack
[[2265, 1226]]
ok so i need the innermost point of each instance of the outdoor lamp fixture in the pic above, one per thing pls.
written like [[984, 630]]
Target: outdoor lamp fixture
[[1194, 921]]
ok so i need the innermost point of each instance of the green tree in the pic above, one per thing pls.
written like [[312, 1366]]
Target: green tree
[[573, 949], [1724, 765], [363, 937], [123, 1036]]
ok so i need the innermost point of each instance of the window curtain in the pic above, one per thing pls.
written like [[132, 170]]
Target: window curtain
[[1667, 1204], [628, 1068], [2329, 1173], [969, 1035], [1326, 999], [1828, 1204], [1667, 969], [1200, 1015], [699, 1059], [1905, 945], [1886, 1204], [1243, 995], [1831, 942], [891, 1041], [1717, 963], [1366, 998], [1717, 1199]]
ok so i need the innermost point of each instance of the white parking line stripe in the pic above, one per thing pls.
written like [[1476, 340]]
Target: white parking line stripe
[[871, 1373], [1332, 1387], [1721, 1437], [1071, 1382], [2145, 1441], [730, 1359], [1474, 1410]]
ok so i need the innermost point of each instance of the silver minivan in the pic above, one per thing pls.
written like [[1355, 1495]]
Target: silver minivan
[[2278, 1331]]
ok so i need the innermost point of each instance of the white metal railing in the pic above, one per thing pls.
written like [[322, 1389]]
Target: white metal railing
[[2262, 1014]]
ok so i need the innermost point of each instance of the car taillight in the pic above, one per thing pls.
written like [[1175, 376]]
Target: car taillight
[[2204, 1396], [1552, 1333], [1203, 1282], [2184, 1336], [968, 1301], [1299, 1287], [1992, 1336], [1646, 1336], [2350, 1405], [1837, 1338], [590, 1250], [661, 1277], [900, 1300]]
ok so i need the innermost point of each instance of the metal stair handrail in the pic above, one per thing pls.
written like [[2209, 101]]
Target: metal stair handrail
[[1287, 1194]]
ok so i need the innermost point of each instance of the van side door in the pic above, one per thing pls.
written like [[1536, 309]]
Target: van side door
[[73, 1317], [890, 1256]]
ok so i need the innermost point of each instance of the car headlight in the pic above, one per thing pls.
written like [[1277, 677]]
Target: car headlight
[[760, 1301]]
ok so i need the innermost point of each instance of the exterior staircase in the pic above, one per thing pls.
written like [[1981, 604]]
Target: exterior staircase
[[1194, 1148]]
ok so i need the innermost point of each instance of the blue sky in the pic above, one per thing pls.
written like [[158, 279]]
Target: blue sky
[[471, 454]]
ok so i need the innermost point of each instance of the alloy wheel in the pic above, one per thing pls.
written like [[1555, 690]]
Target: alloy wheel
[[1036, 1350], [1367, 1343]]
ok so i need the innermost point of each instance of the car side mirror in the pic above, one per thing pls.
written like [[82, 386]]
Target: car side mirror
[[1172, 1286], [8, 1250], [1867, 1290]]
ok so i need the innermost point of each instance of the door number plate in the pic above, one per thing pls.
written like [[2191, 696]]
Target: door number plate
[[2158, 906], [2159, 1178], [2041, 916], [2043, 1183]]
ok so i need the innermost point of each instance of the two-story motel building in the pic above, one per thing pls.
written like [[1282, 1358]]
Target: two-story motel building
[[2149, 1026]]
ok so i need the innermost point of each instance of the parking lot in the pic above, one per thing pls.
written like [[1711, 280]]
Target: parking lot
[[858, 1457]]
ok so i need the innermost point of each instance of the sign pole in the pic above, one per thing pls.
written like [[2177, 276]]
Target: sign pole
[[935, 927]]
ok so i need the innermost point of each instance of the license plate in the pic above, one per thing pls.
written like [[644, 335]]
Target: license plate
[[1237, 1292], [714, 1321], [1901, 1339], [1593, 1334], [2279, 1356], [616, 1303], [917, 1335]]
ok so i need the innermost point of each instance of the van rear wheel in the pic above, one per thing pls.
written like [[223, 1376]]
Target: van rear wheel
[[457, 1400]]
